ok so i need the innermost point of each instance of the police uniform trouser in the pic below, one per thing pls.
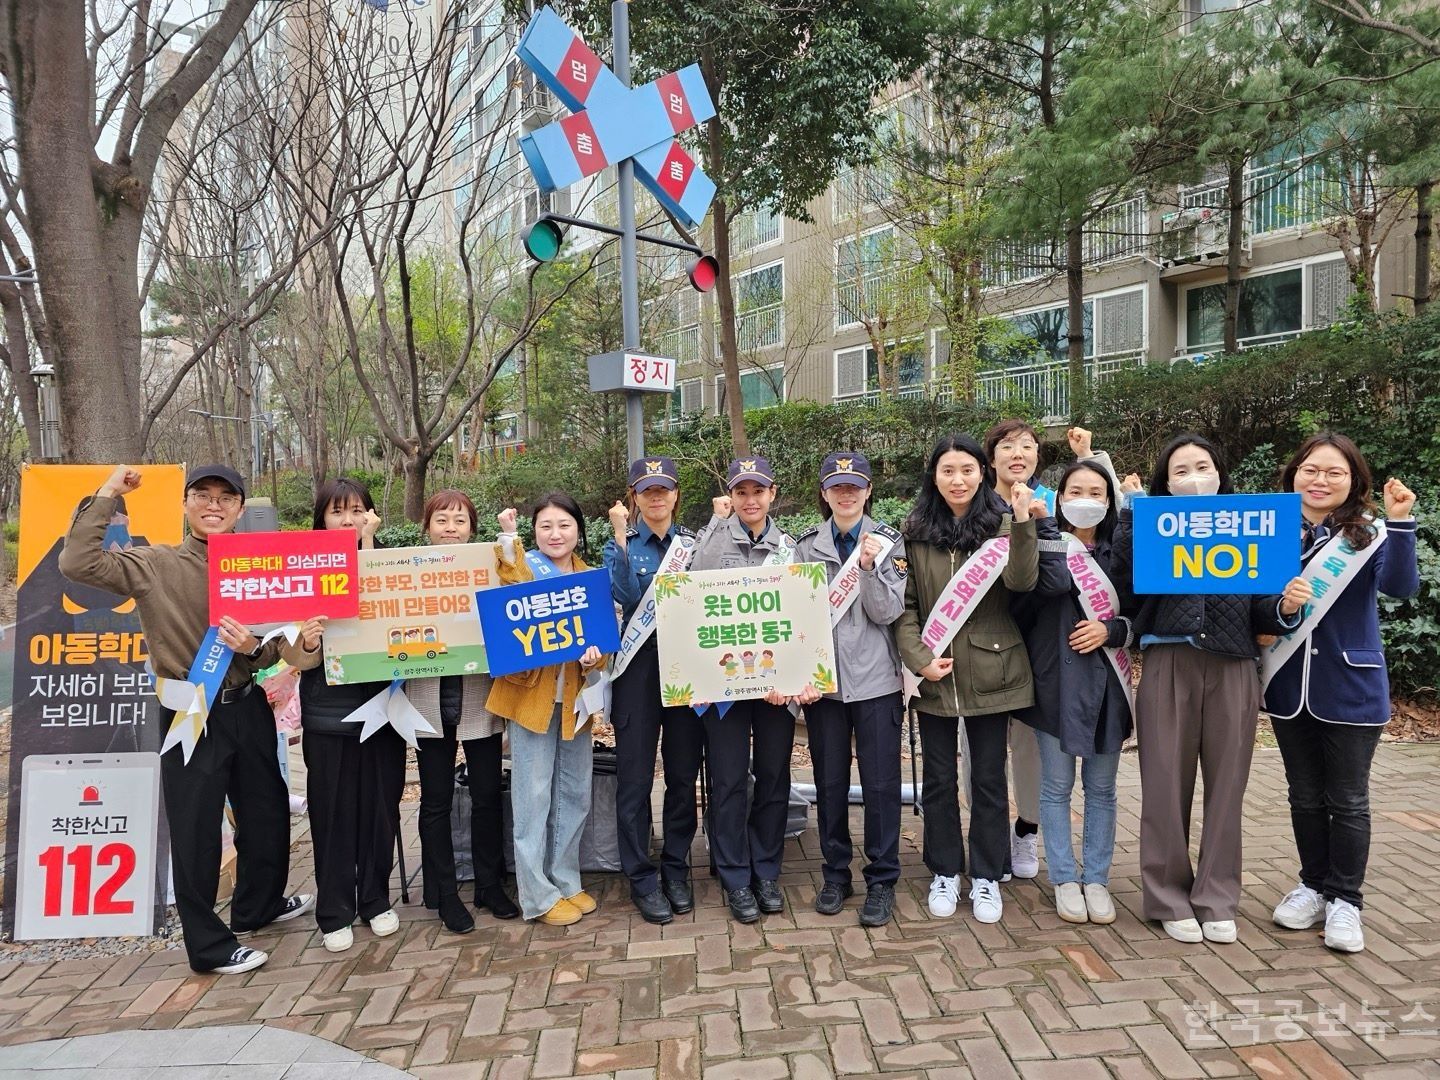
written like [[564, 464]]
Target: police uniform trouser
[[639, 719], [236, 758], [748, 846], [875, 725], [354, 793]]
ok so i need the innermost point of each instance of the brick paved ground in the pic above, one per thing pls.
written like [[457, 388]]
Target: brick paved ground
[[807, 996]]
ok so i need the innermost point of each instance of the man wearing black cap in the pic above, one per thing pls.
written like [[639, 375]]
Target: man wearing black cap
[[235, 758]]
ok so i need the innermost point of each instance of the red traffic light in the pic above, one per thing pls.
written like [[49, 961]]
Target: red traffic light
[[703, 273]]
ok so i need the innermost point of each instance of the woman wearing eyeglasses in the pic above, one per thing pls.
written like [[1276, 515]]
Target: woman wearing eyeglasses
[[1325, 686]]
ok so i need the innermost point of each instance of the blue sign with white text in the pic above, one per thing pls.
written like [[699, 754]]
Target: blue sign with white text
[[539, 623], [1218, 544]]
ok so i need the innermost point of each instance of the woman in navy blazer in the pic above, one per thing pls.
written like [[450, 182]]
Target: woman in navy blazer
[[1331, 699]]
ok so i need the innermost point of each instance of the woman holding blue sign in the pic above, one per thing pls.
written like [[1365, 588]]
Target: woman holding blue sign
[[865, 563], [748, 842], [655, 544], [968, 552], [1077, 640], [353, 786], [550, 748], [1197, 704], [1326, 690], [455, 706]]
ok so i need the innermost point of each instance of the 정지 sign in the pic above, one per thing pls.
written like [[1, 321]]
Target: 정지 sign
[[1218, 544]]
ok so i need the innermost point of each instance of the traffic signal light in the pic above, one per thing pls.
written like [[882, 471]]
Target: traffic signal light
[[703, 273], [543, 240]]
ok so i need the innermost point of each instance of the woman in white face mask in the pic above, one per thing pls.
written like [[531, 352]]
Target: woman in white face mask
[[1076, 636], [1196, 706]]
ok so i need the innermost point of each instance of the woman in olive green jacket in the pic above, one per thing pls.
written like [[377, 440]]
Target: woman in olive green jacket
[[982, 675]]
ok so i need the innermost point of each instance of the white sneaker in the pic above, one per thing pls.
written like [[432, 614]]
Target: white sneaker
[[1301, 909], [295, 906], [1098, 904], [1070, 902], [385, 924], [1187, 930], [339, 940], [242, 960], [1221, 932], [1342, 927], [944, 895], [985, 902], [1024, 854]]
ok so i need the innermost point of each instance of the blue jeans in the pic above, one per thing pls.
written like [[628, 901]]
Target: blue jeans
[[550, 781], [1057, 780]]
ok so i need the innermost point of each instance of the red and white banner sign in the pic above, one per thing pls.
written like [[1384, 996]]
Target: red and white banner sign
[[284, 577]]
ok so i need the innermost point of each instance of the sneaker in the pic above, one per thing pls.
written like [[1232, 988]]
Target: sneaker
[[1070, 902], [1222, 931], [1301, 909], [583, 902], [769, 897], [1024, 855], [339, 940], [242, 960], [561, 913], [944, 895], [295, 906], [879, 905], [385, 924], [1098, 905], [1187, 930], [832, 897], [1342, 927], [985, 902]]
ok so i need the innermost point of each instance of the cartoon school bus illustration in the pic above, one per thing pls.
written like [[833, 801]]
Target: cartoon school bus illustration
[[415, 641]]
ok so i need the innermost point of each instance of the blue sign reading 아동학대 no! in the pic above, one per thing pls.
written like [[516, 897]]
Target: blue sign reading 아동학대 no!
[[539, 623], [1218, 544]]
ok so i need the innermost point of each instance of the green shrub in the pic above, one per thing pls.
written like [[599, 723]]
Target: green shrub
[[1411, 628]]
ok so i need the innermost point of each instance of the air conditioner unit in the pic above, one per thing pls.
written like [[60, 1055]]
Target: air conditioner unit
[[1194, 235]]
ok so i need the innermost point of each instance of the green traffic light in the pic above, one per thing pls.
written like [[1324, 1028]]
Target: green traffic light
[[543, 240]]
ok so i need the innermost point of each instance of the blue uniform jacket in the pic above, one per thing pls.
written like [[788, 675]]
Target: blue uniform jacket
[[633, 568], [1338, 674]]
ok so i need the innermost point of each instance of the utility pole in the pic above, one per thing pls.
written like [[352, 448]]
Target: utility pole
[[629, 261]]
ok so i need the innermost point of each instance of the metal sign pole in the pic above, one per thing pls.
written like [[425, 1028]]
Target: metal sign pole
[[629, 268]]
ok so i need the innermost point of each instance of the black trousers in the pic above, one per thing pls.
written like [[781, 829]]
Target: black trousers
[[639, 719], [748, 843], [237, 758], [1327, 767], [354, 792], [436, 759], [940, 795], [875, 727]]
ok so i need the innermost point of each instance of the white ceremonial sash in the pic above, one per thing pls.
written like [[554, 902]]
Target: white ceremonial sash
[[958, 601], [1101, 603], [642, 620], [1329, 570], [845, 589]]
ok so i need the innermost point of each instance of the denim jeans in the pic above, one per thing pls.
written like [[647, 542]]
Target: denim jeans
[[1328, 770], [550, 782], [1057, 780]]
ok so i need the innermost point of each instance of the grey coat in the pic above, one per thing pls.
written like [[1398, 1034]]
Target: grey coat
[[866, 656], [725, 544], [475, 721]]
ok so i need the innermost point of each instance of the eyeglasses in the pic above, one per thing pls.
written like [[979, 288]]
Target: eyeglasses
[[1310, 472], [225, 502]]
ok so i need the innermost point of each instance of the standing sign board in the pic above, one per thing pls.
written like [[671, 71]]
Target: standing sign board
[[82, 690]]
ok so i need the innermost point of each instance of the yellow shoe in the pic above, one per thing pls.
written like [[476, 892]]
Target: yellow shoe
[[583, 902], [564, 913]]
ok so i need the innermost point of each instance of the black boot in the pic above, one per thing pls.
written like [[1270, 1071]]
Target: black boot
[[456, 916], [497, 900]]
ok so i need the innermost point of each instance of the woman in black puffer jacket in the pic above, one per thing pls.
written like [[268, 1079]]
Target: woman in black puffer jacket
[[1197, 704], [353, 787]]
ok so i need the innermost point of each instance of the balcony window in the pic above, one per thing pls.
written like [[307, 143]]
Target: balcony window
[[857, 371], [1271, 309], [754, 229], [760, 388], [759, 308], [1039, 336]]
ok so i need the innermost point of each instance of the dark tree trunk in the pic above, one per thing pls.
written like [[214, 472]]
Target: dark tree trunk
[[1423, 215], [1075, 320], [1234, 250]]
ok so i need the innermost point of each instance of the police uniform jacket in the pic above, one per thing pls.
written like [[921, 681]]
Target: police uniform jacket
[[633, 567], [866, 656]]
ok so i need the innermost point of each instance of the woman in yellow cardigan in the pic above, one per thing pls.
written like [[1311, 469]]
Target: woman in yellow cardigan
[[550, 754]]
